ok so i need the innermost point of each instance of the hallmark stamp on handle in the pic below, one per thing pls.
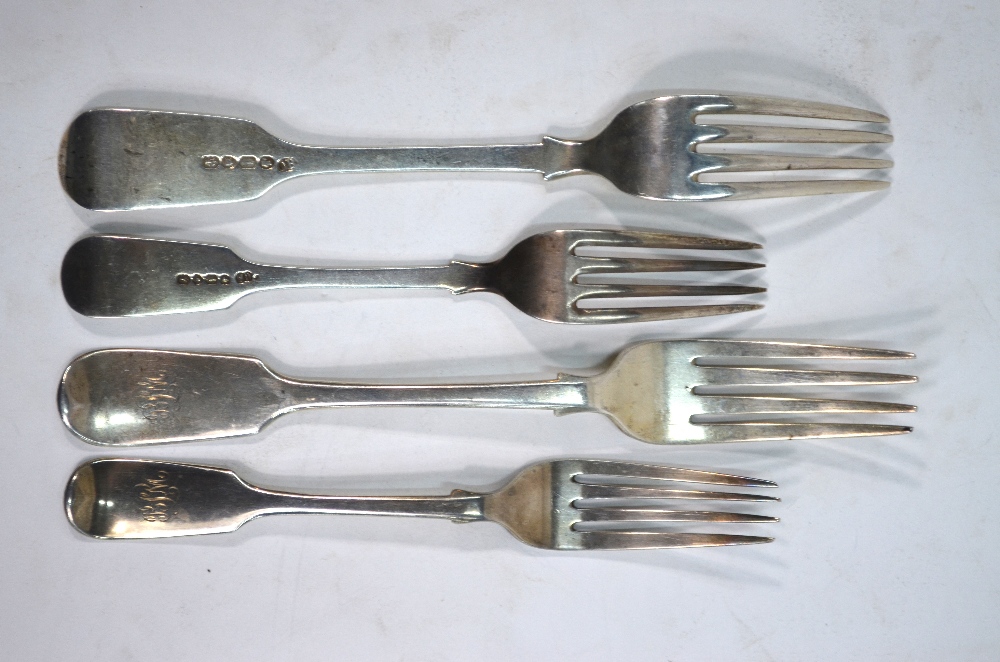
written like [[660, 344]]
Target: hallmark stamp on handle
[[247, 162], [240, 278]]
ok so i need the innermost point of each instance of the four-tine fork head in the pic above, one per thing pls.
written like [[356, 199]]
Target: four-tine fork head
[[704, 391], [601, 504], [547, 276], [656, 148]]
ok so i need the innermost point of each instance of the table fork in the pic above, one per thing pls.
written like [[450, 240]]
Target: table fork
[[122, 158], [564, 504], [660, 392], [116, 276]]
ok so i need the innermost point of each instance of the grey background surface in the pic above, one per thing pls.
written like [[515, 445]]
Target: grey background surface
[[887, 547]]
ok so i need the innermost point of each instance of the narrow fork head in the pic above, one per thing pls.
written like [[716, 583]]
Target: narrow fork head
[[655, 390], [650, 149], [597, 504], [541, 276]]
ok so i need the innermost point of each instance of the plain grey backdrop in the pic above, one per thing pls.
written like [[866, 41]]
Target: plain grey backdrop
[[887, 547]]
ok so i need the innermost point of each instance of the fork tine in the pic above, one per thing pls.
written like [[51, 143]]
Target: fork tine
[[588, 491], [788, 189], [726, 432], [757, 404], [751, 376], [642, 239], [777, 349], [662, 540], [755, 162], [662, 515], [746, 133], [630, 290], [652, 314], [602, 265], [759, 105], [660, 472]]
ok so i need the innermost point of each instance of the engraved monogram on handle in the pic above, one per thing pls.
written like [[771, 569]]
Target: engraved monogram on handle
[[157, 397], [160, 497]]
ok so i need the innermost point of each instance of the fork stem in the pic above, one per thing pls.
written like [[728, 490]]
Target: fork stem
[[459, 506], [566, 392], [455, 276], [549, 157]]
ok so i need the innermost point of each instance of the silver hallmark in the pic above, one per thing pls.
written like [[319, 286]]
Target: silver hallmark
[[247, 162]]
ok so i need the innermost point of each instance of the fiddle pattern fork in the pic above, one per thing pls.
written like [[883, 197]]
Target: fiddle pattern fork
[[660, 392], [562, 504], [124, 158], [544, 276]]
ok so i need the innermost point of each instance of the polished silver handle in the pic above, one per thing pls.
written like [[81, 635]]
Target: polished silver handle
[[566, 392], [550, 157], [456, 276], [460, 505]]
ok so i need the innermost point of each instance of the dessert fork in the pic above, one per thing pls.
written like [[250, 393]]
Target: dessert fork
[[659, 392], [564, 504], [115, 276], [121, 158]]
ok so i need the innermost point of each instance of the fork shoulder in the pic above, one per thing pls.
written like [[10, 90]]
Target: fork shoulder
[[525, 506]]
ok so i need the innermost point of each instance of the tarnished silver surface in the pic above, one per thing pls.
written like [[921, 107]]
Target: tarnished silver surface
[[114, 276], [564, 504], [119, 158], [659, 392]]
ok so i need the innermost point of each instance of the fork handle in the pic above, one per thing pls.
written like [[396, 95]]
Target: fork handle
[[456, 276], [551, 157], [460, 506], [566, 392]]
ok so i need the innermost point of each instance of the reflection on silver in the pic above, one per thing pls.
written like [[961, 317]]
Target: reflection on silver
[[651, 392], [118, 159], [114, 276], [564, 504]]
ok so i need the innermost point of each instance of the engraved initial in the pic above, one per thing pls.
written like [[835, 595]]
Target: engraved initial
[[160, 497], [157, 399]]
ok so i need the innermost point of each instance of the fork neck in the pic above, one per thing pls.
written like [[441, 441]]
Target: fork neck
[[456, 276], [459, 506], [563, 394], [550, 157], [511, 158]]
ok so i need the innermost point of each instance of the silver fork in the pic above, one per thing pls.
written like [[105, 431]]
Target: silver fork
[[115, 276], [654, 391], [563, 504], [120, 158]]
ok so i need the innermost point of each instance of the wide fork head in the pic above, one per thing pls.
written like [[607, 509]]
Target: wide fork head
[[652, 149], [546, 276], [705, 391], [600, 504]]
